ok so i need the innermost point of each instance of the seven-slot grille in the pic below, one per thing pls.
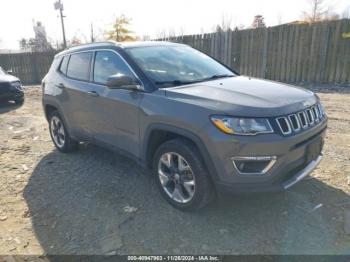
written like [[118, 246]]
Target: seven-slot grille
[[301, 120]]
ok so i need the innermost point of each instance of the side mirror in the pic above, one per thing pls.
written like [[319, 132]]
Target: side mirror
[[10, 72], [119, 81]]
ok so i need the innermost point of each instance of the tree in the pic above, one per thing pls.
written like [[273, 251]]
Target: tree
[[75, 41], [226, 22], [258, 21], [239, 27], [224, 26], [182, 31], [279, 19], [22, 43], [161, 34], [120, 31], [40, 44], [319, 11], [346, 13], [146, 38], [316, 11], [37, 44], [27, 44], [219, 29], [78, 38]]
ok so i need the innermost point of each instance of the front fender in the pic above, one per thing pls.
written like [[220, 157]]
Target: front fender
[[195, 138]]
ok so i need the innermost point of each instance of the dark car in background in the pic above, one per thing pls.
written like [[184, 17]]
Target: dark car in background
[[10, 88]]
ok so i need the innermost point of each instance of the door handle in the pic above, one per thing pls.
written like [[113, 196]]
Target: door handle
[[93, 93], [60, 85]]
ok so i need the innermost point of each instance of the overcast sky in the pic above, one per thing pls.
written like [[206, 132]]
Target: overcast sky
[[149, 17]]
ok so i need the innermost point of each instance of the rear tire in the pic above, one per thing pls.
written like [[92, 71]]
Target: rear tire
[[59, 134], [182, 176]]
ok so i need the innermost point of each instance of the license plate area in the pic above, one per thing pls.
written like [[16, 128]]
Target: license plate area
[[313, 150]]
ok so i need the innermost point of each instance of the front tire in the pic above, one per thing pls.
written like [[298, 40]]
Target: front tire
[[182, 176], [59, 134]]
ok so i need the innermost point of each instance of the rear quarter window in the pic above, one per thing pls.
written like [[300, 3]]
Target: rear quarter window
[[55, 64], [79, 66], [64, 65]]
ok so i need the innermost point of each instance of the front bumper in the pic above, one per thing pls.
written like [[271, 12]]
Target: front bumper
[[302, 173], [290, 167], [11, 95]]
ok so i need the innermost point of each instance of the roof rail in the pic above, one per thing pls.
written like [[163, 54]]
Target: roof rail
[[94, 43]]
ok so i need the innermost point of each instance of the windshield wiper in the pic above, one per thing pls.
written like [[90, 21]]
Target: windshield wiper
[[179, 82], [174, 82], [217, 77]]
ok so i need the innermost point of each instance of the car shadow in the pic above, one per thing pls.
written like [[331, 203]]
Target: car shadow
[[8, 106], [96, 202]]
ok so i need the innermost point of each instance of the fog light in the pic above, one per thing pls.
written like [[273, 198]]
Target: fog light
[[253, 165]]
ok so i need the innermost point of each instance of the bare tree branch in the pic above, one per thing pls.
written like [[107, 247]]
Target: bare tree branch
[[319, 11]]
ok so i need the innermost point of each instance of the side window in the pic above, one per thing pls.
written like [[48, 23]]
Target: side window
[[108, 63], [64, 64], [79, 66]]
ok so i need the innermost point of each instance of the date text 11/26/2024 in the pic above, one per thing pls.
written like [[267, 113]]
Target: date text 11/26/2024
[[174, 258]]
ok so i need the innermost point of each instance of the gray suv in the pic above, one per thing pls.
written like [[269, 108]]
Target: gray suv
[[202, 128]]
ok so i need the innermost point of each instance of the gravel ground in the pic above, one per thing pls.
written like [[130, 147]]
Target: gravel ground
[[96, 202]]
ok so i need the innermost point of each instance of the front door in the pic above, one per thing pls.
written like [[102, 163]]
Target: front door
[[116, 111]]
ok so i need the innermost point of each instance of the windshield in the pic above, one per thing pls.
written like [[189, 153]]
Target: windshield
[[176, 65]]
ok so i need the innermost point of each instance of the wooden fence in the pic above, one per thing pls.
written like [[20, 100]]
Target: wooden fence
[[317, 53], [29, 67]]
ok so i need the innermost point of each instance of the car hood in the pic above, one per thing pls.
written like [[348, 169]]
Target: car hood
[[244, 96], [8, 78]]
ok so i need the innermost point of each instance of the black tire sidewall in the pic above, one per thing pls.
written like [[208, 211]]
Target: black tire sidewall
[[69, 143], [203, 187]]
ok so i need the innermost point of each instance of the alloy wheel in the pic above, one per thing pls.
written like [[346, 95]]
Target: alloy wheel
[[57, 131], [176, 177]]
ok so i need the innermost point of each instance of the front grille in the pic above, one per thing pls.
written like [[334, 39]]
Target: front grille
[[295, 122], [302, 120], [315, 111], [310, 116], [284, 125]]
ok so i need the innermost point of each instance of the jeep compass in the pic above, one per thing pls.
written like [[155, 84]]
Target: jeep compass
[[199, 126]]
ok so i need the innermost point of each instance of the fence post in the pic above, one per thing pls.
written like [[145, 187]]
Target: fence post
[[322, 72], [264, 60], [35, 72]]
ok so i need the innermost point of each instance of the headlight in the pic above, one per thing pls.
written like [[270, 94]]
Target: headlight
[[16, 85], [321, 109], [242, 126]]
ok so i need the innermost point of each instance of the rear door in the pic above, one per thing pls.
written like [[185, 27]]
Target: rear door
[[76, 86]]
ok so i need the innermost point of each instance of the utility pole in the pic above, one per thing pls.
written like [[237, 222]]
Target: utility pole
[[92, 33], [59, 6]]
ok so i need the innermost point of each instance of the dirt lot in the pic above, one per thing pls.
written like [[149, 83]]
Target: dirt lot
[[96, 202]]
